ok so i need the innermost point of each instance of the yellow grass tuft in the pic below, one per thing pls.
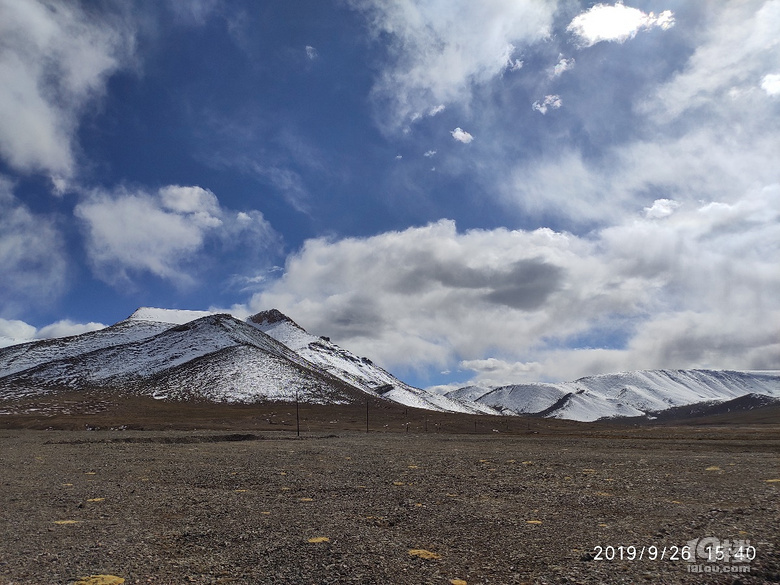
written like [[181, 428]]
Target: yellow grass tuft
[[100, 580], [424, 554], [318, 539]]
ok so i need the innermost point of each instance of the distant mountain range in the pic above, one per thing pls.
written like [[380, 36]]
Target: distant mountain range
[[628, 394], [194, 355]]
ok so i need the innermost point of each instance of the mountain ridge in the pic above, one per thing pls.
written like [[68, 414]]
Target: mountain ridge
[[623, 394], [182, 354]]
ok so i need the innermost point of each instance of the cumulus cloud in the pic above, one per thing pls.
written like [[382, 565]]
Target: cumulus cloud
[[770, 83], [693, 288], [549, 101], [491, 372], [66, 327], [14, 331], [462, 136], [55, 59], [439, 51], [661, 208], [160, 233], [615, 23], [708, 132], [32, 262]]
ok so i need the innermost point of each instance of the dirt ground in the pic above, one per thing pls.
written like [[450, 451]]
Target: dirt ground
[[257, 507]]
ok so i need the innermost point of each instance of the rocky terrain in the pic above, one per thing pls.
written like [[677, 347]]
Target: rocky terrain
[[260, 507]]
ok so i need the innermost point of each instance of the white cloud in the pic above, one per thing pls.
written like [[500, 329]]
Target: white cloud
[[13, 332], [739, 45], [430, 153], [562, 66], [437, 110], [311, 53], [694, 288], [515, 65], [462, 136], [491, 372], [661, 208], [549, 101], [440, 50], [616, 23], [771, 84], [161, 233], [66, 327], [32, 258], [194, 12], [55, 59]]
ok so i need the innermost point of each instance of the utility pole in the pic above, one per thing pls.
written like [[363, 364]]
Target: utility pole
[[297, 415]]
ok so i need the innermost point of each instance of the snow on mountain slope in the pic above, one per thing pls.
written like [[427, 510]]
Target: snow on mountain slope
[[151, 364], [243, 373], [17, 358], [143, 323], [624, 394], [520, 399], [357, 371]]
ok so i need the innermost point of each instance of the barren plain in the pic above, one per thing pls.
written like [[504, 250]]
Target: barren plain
[[529, 502]]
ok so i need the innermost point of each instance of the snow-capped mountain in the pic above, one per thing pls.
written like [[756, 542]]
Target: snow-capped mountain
[[623, 394], [205, 356], [360, 372], [213, 357]]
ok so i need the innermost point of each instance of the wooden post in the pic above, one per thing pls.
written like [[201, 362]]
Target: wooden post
[[297, 415], [366, 415]]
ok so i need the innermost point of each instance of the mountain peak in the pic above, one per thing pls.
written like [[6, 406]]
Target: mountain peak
[[271, 317]]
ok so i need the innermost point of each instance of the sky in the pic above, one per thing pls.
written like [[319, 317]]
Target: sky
[[487, 192]]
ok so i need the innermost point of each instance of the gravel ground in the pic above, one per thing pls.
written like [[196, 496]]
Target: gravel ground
[[210, 507]]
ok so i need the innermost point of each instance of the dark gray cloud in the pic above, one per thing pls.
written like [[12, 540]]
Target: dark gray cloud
[[527, 285], [523, 284]]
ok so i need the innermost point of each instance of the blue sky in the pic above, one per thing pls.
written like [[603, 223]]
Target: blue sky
[[488, 192]]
